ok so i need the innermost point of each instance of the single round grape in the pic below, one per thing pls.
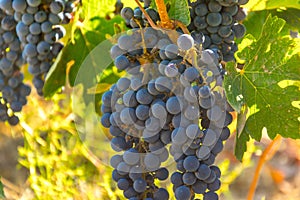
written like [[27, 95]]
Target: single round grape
[[130, 193], [191, 74], [122, 62], [161, 193], [162, 174], [151, 161], [123, 184], [142, 112], [131, 156], [40, 16], [115, 160], [30, 50], [123, 84], [182, 193], [125, 42], [19, 5], [152, 124], [46, 27], [214, 6], [201, 9], [22, 29], [214, 19], [215, 113], [193, 131], [179, 136], [171, 51], [225, 134], [128, 116], [13, 120], [176, 179], [118, 144], [210, 196], [199, 187], [127, 13], [226, 18], [210, 137], [57, 6], [191, 163], [203, 152], [140, 185], [35, 28], [54, 19], [212, 177], [203, 172], [34, 3], [189, 178], [204, 91], [143, 96], [136, 172], [191, 112], [43, 47], [200, 22], [171, 70], [123, 168], [185, 42], [214, 186], [239, 30], [159, 111]]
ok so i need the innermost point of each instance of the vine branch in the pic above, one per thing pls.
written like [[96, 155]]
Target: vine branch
[[264, 157]]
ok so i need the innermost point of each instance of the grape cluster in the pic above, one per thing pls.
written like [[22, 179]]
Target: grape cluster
[[13, 91], [135, 18], [167, 104], [218, 21], [37, 26]]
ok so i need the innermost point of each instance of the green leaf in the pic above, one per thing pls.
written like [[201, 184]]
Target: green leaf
[[241, 137], [256, 5], [256, 19], [254, 22], [269, 60], [93, 8], [73, 56], [2, 196], [291, 16], [273, 4], [179, 10]]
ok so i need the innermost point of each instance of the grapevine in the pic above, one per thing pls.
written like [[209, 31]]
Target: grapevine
[[169, 100], [30, 33], [167, 83]]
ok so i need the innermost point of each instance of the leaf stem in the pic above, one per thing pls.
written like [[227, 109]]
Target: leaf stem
[[264, 157], [163, 14]]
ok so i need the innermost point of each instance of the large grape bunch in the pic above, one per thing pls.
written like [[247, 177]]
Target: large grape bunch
[[218, 21], [38, 29], [167, 104], [13, 91]]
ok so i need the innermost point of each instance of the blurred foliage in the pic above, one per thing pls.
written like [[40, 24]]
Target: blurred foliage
[[1, 190]]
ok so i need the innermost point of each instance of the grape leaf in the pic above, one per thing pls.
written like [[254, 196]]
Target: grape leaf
[[241, 136], [291, 16], [256, 5], [86, 38], [257, 19], [269, 61], [273, 4], [2, 196], [179, 10]]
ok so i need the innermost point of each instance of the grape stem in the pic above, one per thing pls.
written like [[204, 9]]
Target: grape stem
[[152, 24], [267, 154]]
